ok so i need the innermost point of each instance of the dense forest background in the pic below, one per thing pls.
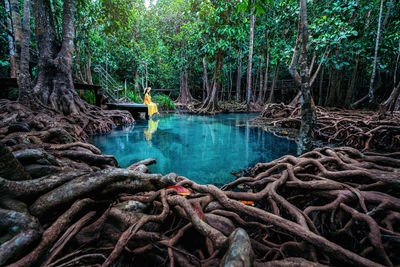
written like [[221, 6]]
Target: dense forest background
[[177, 44]]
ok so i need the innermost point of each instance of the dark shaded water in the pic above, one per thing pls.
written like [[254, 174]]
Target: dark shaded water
[[203, 148]]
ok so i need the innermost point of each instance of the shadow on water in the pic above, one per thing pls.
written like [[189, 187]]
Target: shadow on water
[[203, 148]]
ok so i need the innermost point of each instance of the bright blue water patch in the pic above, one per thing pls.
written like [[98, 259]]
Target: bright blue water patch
[[203, 148]]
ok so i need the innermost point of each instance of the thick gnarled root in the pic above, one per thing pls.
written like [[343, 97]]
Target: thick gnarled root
[[298, 210], [331, 206]]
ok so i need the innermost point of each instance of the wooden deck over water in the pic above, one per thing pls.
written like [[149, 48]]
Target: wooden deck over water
[[134, 109]]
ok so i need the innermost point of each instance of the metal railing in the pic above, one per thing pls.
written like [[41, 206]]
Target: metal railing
[[110, 87]]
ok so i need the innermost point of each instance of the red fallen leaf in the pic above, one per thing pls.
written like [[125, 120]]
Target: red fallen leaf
[[199, 212], [180, 190], [247, 202]]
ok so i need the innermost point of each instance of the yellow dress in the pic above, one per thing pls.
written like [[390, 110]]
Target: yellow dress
[[151, 106], [152, 128]]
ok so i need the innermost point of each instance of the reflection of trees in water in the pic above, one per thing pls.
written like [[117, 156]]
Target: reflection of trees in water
[[266, 145], [191, 140], [169, 144]]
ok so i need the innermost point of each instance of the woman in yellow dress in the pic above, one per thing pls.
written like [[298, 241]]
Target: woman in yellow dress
[[152, 128], [147, 101]]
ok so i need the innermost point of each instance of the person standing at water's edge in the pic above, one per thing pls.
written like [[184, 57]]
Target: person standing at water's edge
[[147, 101]]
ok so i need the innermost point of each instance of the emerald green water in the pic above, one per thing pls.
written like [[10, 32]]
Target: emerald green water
[[203, 148]]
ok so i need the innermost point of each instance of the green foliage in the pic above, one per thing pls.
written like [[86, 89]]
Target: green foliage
[[4, 52], [134, 97], [171, 36], [164, 102], [88, 96]]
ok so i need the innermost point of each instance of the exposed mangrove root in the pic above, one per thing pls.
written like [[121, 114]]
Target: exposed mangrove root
[[364, 130], [240, 252], [330, 206], [311, 209], [16, 246], [95, 120]]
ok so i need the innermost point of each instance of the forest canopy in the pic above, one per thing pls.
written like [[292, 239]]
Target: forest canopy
[[155, 45]]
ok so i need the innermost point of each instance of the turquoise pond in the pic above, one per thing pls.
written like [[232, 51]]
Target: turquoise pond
[[203, 148]]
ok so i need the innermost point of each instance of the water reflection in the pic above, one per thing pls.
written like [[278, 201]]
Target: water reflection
[[203, 148], [151, 128]]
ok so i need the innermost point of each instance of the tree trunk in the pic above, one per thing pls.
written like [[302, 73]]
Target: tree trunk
[[306, 128], [88, 62], [239, 76], [370, 94], [136, 85], [328, 89], [13, 71], [397, 104], [321, 81], [185, 96], [251, 44], [387, 14], [334, 85], [147, 76], [142, 76], [263, 92], [17, 30], [22, 40], [260, 89], [78, 73], [293, 64], [88, 69], [220, 91], [254, 85], [350, 91], [230, 82], [211, 103], [397, 64], [136, 81], [378, 36], [54, 85], [206, 83], [391, 101], [271, 93], [334, 90]]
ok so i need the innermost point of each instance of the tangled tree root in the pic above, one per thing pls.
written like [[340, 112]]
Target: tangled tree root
[[331, 206], [57, 128], [361, 129]]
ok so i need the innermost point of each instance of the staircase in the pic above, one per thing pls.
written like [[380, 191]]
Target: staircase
[[110, 87]]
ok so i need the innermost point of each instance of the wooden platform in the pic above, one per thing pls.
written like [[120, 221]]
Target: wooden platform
[[134, 109]]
